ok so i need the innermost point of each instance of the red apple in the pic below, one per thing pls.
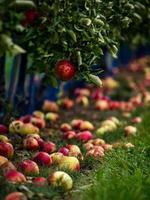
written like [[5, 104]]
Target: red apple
[[67, 103], [3, 129], [96, 152], [74, 150], [39, 122], [26, 118], [113, 105], [16, 196], [40, 142], [6, 149], [39, 181], [50, 106], [65, 70], [69, 135], [37, 137], [15, 177], [30, 17], [65, 127], [136, 120], [7, 166], [43, 158], [102, 105], [97, 94], [76, 123], [84, 136], [48, 147], [30, 143], [64, 151], [29, 167]]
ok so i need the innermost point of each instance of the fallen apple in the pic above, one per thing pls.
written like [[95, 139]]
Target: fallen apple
[[70, 163], [3, 138], [6, 167], [6, 149], [39, 181], [49, 147], [67, 103], [28, 128], [65, 127], [130, 130], [14, 176], [69, 135], [75, 123], [97, 152], [3, 160], [84, 136], [136, 120], [26, 119], [43, 158], [86, 125], [30, 143], [83, 100], [49, 106], [64, 151], [3, 129], [56, 157], [28, 167], [16, 196], [51, 117], [39, 122], [61, 179], [102, 105], [74, 150], [38, 114], [15, 126]]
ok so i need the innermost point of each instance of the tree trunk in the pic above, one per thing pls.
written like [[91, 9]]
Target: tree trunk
[[2, 85], [20, 99]]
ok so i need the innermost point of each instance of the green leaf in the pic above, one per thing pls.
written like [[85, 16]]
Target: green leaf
[[79, 58], [54, 82], [23, 4], [15, 50], [72, 34], [113, 50], [95, 79]]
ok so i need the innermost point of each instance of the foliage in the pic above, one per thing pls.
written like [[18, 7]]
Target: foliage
[[74, 30]]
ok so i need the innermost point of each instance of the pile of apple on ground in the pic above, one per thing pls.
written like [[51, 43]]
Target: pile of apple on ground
[[43, 155]]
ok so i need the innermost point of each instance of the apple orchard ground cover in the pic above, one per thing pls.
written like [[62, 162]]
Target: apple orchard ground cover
[[123, 173]]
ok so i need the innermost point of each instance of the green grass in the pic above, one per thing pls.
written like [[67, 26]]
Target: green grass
[[125, 174]]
